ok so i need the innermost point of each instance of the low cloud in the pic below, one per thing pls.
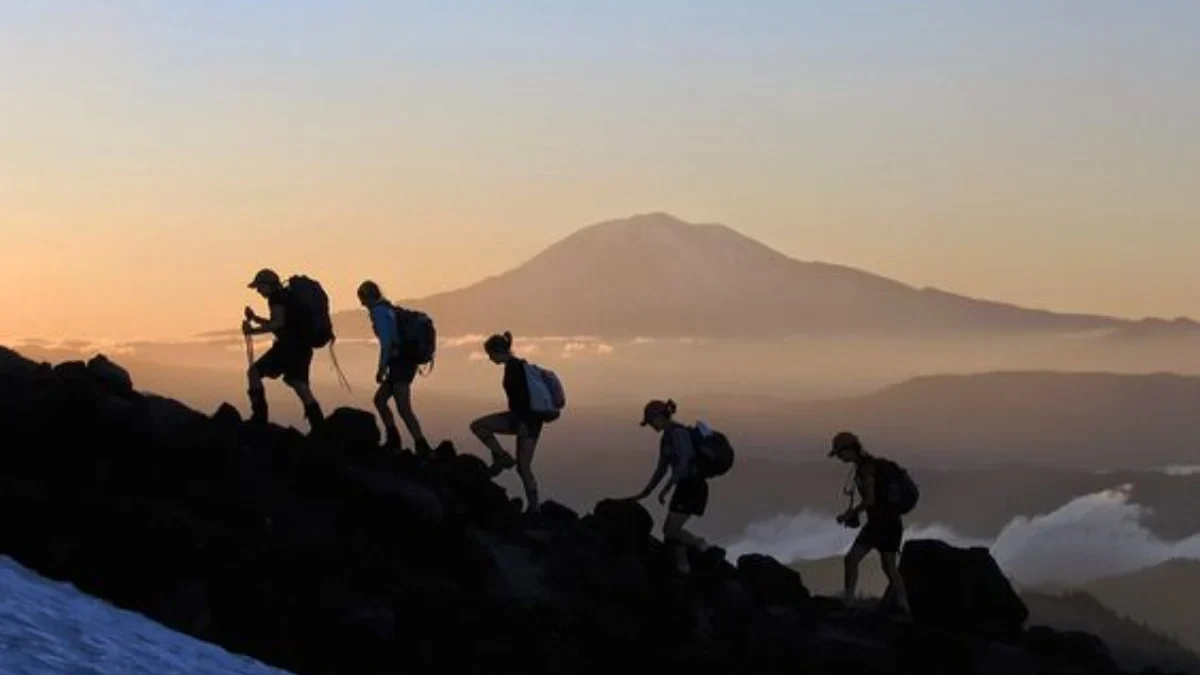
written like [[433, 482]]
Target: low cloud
[[1091, 537]]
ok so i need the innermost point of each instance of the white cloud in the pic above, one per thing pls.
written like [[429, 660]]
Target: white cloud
[[1090, 537]]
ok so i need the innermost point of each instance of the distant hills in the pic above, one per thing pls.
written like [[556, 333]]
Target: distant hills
[[655, 275], [1082, 420], [1166, 597]]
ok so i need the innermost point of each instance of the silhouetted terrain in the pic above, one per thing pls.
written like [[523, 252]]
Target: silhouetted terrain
[[1135, 642], [1165, 597], [654, 275], [323, 554]]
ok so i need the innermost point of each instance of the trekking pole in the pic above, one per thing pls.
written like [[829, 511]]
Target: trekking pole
[[341, 376], [249, 350]]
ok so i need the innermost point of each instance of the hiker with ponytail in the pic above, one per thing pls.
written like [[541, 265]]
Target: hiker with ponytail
[[520, 420], [677, 452]]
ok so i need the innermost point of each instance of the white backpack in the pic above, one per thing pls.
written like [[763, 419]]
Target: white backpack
[[546, 395]]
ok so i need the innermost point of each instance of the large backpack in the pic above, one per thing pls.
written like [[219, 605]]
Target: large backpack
[[308, 311], [546, 394], [898, 489], [714, 453], [418, 335]]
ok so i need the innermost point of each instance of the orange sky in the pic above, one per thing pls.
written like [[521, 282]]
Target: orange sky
[[152, 157]]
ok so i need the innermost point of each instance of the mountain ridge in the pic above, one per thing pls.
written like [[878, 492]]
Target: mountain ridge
[[655, 275]]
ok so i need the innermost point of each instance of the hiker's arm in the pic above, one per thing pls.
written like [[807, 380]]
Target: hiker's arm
[[659, 472], [272, 324], [252, 317]]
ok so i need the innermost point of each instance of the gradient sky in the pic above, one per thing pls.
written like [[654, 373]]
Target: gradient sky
[[154, 154]]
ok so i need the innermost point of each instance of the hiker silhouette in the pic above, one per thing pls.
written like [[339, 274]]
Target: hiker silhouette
[[678, 452], [291, 354], [401, 354], [876, 481], [532, 402]]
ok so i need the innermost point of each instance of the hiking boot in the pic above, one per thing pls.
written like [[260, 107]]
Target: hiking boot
[[392, 440], [423, 449], [258, 406], [500, 462]]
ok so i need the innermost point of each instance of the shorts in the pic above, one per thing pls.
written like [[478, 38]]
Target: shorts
[[533, 424], [401, 372], [882, 533], [690, 497], [290, 360]]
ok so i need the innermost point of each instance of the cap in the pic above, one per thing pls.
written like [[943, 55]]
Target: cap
[[265, 276], [655, 409], [844, 440]]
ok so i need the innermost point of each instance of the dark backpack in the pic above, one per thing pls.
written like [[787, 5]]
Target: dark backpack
[[897, 488], [418, 336], [308, 312], [714, 452]]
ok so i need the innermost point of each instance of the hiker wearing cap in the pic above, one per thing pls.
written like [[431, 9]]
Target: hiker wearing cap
[[520, 420], [289, 356], [396, 371], [873, 478], [690, 489]]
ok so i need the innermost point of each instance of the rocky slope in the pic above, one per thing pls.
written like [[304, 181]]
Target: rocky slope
[[323, 555]]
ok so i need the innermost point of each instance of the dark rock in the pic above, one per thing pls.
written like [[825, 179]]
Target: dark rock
[[227, 417], [113, 378], [322, 554], [771, 582], [962, 589], [625, 523], [555, 516], [352, 431]]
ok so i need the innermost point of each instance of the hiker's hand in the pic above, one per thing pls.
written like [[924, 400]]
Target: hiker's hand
[[250, 315]]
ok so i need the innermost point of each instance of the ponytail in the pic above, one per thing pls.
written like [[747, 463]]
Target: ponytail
[[499, 344]]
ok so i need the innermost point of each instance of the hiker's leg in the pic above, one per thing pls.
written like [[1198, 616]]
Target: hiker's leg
[[851, 562], [895, 581], [269, 365], [392, 435], [485, 429], [527, 440], [690, 499], [679, 539], [298, 368], [891, 532], [402, 392]]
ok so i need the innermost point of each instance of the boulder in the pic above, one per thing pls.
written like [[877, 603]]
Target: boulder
[[961, 589], [113, 378], [771, 582], [352, 431]]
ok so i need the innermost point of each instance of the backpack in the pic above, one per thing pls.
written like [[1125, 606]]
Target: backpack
[[898, 490], [546, 394], [308, 312], [418, 335], [714, 452]]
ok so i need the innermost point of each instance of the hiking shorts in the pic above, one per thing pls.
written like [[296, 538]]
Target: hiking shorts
[[289, 360], [690, 497], [401, 372], [881, 533]]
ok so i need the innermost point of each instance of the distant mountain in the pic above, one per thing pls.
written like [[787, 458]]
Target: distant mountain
[[1081, 420], [1133, 642], [1165, 597], [655, 275]]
